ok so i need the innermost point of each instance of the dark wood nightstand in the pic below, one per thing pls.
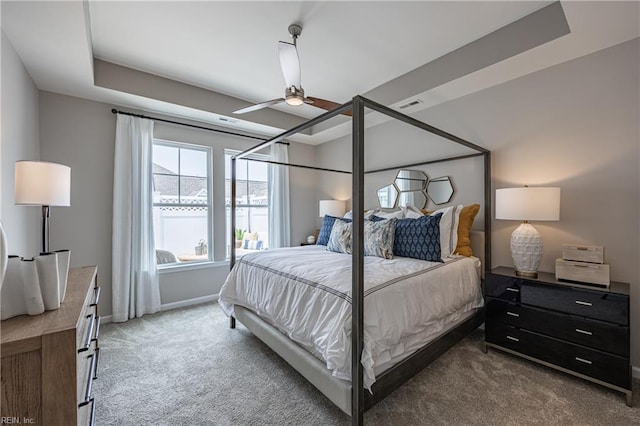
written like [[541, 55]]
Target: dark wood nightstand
[[577, 329], [308, 244]]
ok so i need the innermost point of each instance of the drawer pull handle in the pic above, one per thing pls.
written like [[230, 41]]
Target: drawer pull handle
[[97, 330], [97, 356], [87, 340], [96, 296], [93, 412], [513, 314], [580, 302], [586, 361], [588, 333], [87, 391], [515, 290], [513, 338]]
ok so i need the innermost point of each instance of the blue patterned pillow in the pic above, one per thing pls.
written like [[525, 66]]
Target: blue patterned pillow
[[325, 229], [418, 238], [340, 238], [379, 237]]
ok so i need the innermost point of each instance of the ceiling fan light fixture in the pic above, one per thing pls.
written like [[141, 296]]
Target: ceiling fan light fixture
[[294, 101], [294, 96]]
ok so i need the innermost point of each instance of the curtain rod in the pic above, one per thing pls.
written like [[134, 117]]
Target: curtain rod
[[195, 126]]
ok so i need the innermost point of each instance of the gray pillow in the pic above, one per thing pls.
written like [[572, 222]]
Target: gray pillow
[[378, 238]]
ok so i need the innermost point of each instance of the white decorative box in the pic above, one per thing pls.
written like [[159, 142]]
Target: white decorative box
[[583, 253], [592, 273]]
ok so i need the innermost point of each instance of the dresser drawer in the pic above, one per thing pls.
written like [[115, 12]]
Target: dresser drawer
[[84, 365], [87, 373], [595, 304], [86, 414], [592, 333], [506, 288], [589, 362]]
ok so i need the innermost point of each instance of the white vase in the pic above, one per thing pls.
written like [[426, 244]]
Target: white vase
[[64, 257], [4, 258], [49, 278], [12, 293], [20, 294], [31, 291]]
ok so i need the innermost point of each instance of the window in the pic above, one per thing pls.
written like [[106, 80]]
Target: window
[[252, 203], [181, 202]]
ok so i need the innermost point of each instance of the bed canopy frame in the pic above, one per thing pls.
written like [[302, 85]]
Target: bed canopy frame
[[400, 373]]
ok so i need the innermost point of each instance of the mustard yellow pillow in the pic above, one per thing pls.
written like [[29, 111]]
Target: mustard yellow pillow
[[467, 215]]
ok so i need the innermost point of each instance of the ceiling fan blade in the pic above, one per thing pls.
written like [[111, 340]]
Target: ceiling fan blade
[[325, 104], [259, 106], [290, 64]]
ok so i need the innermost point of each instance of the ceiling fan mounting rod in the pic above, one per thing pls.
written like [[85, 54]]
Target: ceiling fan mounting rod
[[295, 30]]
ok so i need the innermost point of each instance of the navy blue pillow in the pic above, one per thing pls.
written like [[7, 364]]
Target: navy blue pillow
[[325, 229], [418, 238]]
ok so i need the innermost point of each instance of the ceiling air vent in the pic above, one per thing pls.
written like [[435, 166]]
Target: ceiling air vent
[[410, 104]]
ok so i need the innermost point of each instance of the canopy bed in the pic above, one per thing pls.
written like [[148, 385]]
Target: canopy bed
[[332, 288]]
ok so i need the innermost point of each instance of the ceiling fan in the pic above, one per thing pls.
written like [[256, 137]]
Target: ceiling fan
[[294, 93]]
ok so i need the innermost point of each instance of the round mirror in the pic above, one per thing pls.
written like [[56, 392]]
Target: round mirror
[[440, 190], [387, 196]]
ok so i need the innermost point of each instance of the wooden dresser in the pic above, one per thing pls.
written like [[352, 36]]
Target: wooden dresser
[[48, 361], [580, 330]]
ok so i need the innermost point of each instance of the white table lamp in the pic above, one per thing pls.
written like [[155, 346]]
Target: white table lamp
[[331, 208], [40, 183], [527, 204]]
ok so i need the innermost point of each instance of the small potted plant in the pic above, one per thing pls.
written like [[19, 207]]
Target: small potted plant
[[239, 234]]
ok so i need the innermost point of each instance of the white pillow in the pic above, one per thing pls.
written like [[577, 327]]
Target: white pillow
[[412, 212], [397, 214], [367, 214], [449, 229]]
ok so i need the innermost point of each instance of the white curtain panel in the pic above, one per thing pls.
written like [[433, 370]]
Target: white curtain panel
[[279, 218], [135, 278]]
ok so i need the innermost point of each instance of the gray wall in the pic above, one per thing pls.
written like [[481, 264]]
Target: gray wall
[[19, 141], [574, 125], [81, 134]]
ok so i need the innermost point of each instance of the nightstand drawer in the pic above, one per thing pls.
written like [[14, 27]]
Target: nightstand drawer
[[592, 333], [506, 288], [595, 304], [589, 362]]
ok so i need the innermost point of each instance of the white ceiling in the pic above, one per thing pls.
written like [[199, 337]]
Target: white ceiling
[[346, 48]]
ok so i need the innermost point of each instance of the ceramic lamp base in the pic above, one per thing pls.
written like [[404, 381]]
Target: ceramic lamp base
[[526, 250], [525, 274]]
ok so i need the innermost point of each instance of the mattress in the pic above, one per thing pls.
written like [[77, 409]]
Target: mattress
[[305, 292]]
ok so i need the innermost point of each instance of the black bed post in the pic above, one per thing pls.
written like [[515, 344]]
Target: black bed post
[[232, 261], [357, 260], [487, 211]]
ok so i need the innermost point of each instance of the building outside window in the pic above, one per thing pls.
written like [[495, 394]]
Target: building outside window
[[182, 204], [252, 203]]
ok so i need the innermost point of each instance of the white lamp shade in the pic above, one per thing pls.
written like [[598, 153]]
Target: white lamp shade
[[40, 183], [331, 208], [528, 203]]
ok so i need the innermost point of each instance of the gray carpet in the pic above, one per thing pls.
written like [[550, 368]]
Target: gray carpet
[[186, 367]]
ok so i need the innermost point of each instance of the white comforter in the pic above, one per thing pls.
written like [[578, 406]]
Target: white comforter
[[306, 293]]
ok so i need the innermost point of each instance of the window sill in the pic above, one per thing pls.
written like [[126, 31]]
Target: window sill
[[181, 267]]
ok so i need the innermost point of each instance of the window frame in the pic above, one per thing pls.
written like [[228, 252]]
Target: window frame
[[256, 156], [209, 179]]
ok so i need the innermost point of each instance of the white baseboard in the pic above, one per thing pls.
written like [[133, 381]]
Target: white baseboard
[[106, 319], [189, 302], [635, 372]]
